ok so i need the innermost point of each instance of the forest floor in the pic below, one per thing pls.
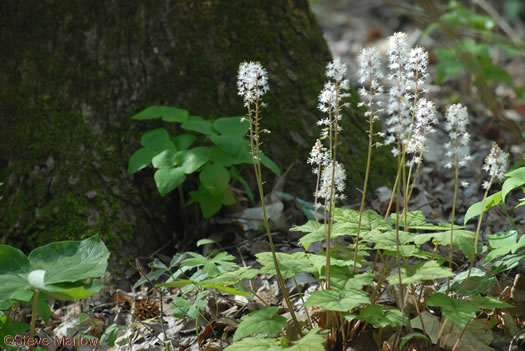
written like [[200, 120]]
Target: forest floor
[[349, 26]]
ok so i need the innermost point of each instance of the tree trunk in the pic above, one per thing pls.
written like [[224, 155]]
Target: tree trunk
[[73, 73]]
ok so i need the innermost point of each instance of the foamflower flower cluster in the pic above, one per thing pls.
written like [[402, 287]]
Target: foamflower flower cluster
[[369, 76], [456, 126], [408, 72], [330, 172], [252, 82], [496, 164], [338, 180], [330, 98], [424, 121]]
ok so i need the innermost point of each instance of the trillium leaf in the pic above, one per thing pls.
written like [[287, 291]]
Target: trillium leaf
[[73, 291], [140, 159], [156, 139], [167, 113], [232, 126], [266, 320], [183, 141], [198, 124], [215, 179], [71, 261], [268, 163], [191, 160], [230, 144], [167, 179], [165, 159]]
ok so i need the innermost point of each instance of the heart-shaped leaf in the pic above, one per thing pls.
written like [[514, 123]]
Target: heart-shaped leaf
[[167, 113], [168, 179]]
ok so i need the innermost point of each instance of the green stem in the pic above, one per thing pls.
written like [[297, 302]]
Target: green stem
[[34, 314], [256, 156], [363, 196], [333, 127], [453, 218], [474, 254]]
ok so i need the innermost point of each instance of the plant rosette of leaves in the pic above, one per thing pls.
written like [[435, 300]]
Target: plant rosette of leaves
[[174, 158], [65, 270]]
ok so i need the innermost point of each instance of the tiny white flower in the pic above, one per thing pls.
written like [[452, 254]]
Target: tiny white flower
[[326, 181], [497, 162], [485, 184], [464, 184], [252, 81]]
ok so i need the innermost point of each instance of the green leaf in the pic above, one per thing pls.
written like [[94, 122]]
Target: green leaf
[[183, 141], [209, 204], [206, 241], [234, 276], [192, 159], [43, 309], [167, 179], [215, 179], [475, 209], [501, 244], [458, 311], [156, 139], [140, 159], [310, 342], [489, 302], [463, 239], [371, 223], [429, 270], [220, 157], [166, 159], [230, 144], [182, 308], [268, 163], [381, 316], [228, 198], [506, 263], [333, 300], [447, 65], [291, 264], [232, 126], [71, 261], [73, 291], [415, 220], [254, 344], [197, 124], [411, 336], [210, 265], [167, 113], [266, 320], [179, 283], [478, 283], [236, 176], [110, 334], [227, 289]]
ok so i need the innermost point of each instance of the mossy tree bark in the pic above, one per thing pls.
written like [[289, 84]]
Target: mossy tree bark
[[73, 72]]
